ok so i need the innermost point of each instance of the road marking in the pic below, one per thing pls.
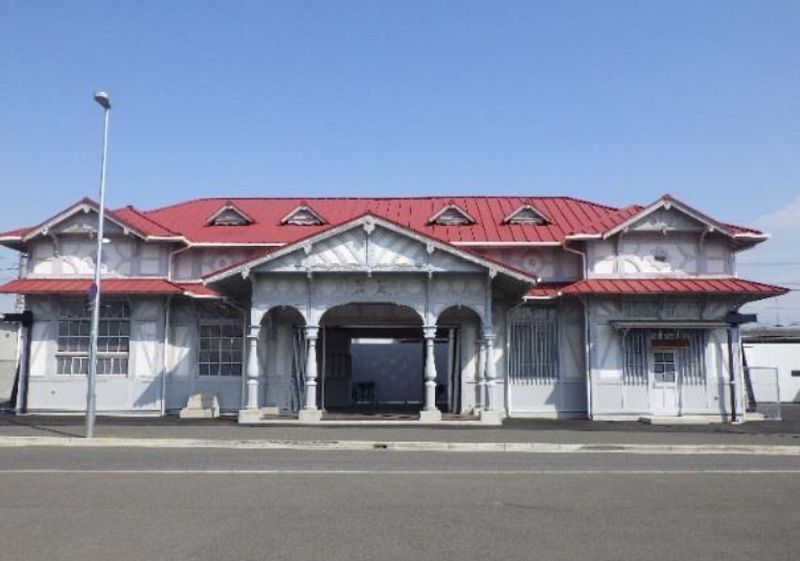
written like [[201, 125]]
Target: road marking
[[398, 472]]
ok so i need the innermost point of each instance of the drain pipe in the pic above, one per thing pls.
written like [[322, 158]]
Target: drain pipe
[[731, 374], [587, 334], [165, 355], [734, 320]]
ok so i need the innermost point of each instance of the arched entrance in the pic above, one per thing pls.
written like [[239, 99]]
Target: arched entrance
[[458, 335], [372, 361], [281, 359]]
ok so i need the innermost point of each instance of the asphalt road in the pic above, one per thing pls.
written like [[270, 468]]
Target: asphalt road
[[126, 504]]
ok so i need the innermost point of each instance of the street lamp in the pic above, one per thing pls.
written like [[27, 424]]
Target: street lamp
[[94, 292]]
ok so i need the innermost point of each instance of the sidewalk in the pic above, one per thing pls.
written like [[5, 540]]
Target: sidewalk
[[566, 432]]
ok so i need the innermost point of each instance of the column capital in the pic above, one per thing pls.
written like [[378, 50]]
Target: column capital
[[253, 331], [312, 331], [489, 335], [429, 331]]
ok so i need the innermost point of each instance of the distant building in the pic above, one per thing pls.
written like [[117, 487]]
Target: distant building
[[488, 306], [779, 348]]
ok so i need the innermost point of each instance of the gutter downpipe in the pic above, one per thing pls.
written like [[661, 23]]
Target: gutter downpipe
[[731, 374], [587, 333], [165, 355]]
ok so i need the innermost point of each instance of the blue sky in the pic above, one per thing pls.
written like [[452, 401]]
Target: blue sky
[[613, 101]]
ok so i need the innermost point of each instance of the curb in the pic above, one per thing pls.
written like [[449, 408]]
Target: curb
[[399, 446]]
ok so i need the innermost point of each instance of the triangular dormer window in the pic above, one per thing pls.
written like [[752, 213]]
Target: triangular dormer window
[[303, 215], [526, 215], [451, 215], [229, 215]]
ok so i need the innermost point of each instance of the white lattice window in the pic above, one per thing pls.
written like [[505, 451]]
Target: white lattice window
[[634, 349], [533, 339], [220, 347], [113, 338]]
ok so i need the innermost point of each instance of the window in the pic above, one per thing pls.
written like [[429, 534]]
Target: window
[[220, 348], [534, 348], [113, 338], [634, 350], [451, 215], [526, 215], [664, 367], [303, 215], [229, 215]]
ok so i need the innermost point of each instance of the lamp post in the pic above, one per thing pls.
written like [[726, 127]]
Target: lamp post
[[94, 292]]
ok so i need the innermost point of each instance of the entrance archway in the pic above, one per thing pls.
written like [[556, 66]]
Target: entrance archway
[[372, 360], [460, 328], [281, 358]]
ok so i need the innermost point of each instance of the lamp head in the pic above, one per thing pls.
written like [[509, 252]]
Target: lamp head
[[103, 99]]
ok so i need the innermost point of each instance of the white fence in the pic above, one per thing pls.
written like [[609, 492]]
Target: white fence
[[765, 390]]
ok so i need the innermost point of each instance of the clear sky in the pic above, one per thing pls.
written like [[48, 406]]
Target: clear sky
[[613, 101]]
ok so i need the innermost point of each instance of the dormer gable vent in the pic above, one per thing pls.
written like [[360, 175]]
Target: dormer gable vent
[[303, 215], [526, 214], [451, 215], [229, 215]]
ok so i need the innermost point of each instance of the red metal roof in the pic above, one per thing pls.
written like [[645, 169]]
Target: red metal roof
[[198, 290], [109, 286], [189, 219], [141, 222], [728, 285], [128, 286], [567, 214], [546, 290]]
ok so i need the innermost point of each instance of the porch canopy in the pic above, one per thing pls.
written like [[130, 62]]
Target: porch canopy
[[747, 290], [370, 260], [152, 285]]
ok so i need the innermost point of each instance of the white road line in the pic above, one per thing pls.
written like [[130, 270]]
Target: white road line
[[398, 472]]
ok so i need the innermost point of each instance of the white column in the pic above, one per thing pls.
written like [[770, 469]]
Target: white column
[[491, 373], [429, 411], [480, 398], [252, 367], [311, 367]]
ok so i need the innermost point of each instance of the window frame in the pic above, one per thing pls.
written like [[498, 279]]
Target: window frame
[[534, 348], [72, 347], [224, 369]]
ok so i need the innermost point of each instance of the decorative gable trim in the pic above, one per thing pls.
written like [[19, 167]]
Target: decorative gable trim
[[668, 202], [369, 222], [451, 215], [84, 205], [527, 214], [303, 215], [229, 215]]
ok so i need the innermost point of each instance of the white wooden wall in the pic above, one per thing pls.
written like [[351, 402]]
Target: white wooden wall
[[139, 391]]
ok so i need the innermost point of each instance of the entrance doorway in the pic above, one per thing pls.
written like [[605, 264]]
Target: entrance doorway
[[379, 371], [665, 400]]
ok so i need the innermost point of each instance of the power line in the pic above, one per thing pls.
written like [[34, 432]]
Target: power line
[[768, 263]]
